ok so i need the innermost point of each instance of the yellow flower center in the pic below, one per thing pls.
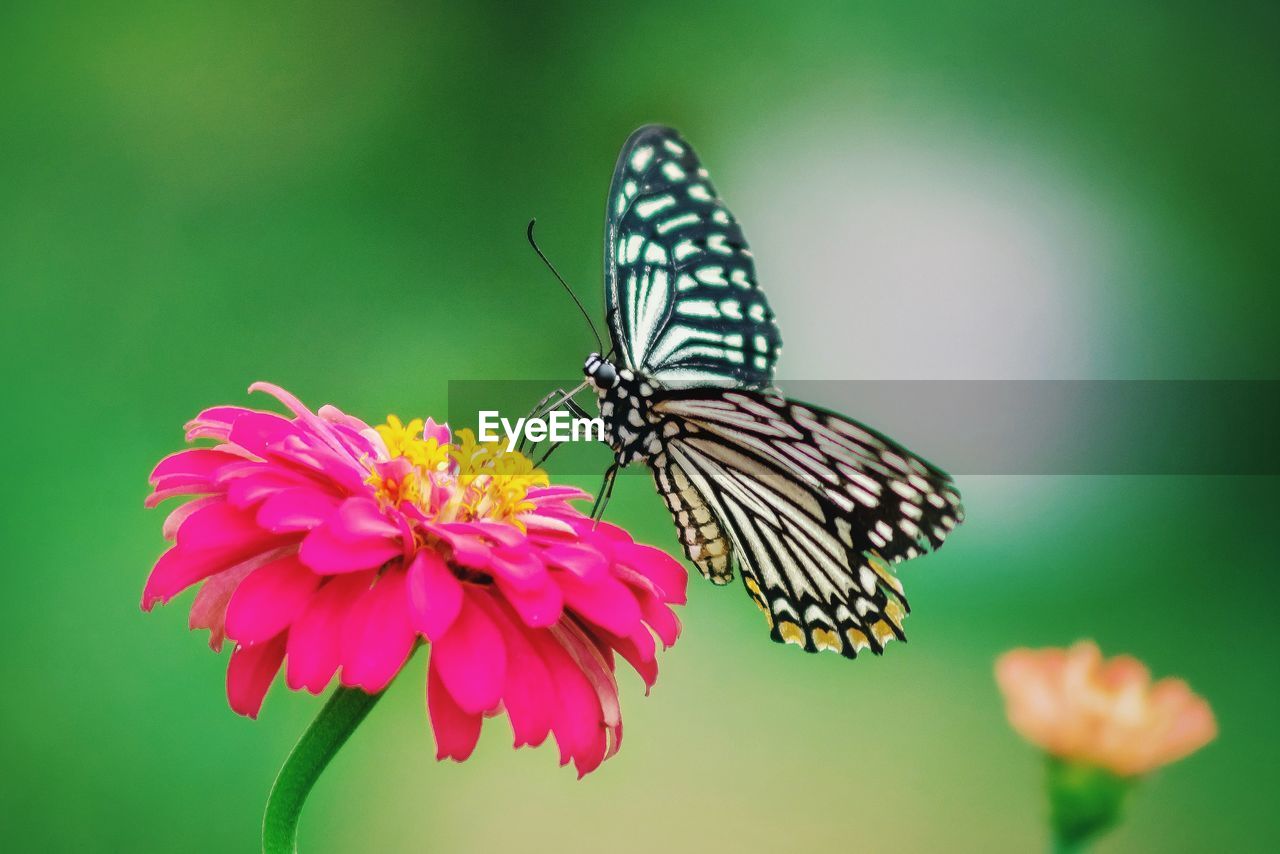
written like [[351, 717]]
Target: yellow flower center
[[489, 481], [392, 491], [405, 440], [493, 481]]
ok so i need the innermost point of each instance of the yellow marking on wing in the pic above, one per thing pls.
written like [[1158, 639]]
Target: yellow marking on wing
[[883, 633], [858, 639], [791, 633], [826, 639]]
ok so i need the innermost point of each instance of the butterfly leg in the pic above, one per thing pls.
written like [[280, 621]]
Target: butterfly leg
[[606, 491], [538, 408], [549, 403], [577, 412]]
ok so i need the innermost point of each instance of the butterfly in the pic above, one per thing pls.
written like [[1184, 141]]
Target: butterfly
[[812, 508]]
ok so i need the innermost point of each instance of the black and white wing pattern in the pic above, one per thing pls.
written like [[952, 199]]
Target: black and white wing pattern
[[814, 507], [680, 283]]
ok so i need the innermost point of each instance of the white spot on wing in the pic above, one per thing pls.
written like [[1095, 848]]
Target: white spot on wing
[[649, 207], [634, 242], [685, 248], [673, 171], [698, 308], [640, 157], [677, 222], [710, 275]]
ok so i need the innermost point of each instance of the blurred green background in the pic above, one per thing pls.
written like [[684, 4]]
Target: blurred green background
[[333, 197]]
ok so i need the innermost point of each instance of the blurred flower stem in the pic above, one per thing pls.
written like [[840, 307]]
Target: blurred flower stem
[[1084, 802], [325, 736]]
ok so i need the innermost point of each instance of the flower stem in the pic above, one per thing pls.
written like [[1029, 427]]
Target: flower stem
[[319, 744], [1085, 802], [1067, 846]]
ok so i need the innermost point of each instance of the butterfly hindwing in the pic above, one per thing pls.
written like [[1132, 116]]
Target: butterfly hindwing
[[684, 304], [816, 508], [704, 542]]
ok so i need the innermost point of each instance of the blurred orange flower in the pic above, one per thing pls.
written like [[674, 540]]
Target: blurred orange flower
[[1106, 713]]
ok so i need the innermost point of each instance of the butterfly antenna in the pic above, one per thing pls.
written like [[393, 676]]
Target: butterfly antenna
[[559, 278]]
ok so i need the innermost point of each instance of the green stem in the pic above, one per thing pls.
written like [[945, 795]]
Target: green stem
[[1067, 846], [309, 757], [1085, 801]]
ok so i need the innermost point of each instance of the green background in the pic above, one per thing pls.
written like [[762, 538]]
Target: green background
[[332, 197]]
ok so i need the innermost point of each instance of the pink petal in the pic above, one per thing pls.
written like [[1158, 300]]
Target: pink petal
[[199, 464], [270, 599], [296, 510], [520, 568], [641, 659], [584, 562], [659, 567], [315, 637], [361, 519], [328, 554], [599, 673], [174, 520], [313, 423], [260, 433], [343, 470], [644, 644], [179, 568], [501, 533], [377, 636], [209, 610], [468, 549], [577, 715], [661, 619], [161, 495], [538, 608], [545, 526], [217, 526], [606, 602], [439, 432], [435, 595], [471, 659], [252, 484], [355, 434], [456, 731], [214, 423], [251, 672], [527, 693], [549, 494]]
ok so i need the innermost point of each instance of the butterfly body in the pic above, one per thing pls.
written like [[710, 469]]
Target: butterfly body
[[631, 428], [811, 507]]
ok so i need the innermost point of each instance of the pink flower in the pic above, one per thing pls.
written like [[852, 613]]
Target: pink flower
[[331, 547], [1109, 714]]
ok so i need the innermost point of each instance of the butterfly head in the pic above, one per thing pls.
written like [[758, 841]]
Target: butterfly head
[[600, 372]]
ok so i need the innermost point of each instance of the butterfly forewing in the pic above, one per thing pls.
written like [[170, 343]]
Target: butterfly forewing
[[684, 304]]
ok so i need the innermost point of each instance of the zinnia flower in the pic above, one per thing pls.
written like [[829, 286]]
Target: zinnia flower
[[331, 547], [1108, 714]]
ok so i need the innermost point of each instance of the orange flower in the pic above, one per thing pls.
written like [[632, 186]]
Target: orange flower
[[1081, 708]]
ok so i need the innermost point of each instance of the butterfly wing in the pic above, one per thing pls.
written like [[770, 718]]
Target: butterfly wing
[[814, 507], [680, 284], [699, 529]]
